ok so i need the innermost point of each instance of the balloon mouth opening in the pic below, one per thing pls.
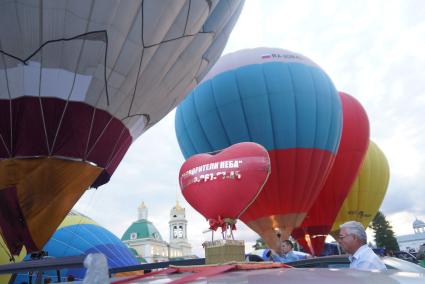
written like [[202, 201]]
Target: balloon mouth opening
[[278, 233], [103, 178]]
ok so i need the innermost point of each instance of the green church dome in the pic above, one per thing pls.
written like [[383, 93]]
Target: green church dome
[[141, 229]]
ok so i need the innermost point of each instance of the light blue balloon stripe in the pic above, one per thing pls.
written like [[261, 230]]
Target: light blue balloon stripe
[[279, 105]]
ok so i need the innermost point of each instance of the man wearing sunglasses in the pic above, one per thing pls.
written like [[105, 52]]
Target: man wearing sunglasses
[[353, 240]]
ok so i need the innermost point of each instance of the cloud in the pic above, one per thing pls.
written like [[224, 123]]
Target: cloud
[[372, 50]]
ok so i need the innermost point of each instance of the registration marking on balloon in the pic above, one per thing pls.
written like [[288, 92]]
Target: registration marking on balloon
[[359, 213]]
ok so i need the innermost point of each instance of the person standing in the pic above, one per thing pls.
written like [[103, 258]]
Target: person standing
[[353, 240]]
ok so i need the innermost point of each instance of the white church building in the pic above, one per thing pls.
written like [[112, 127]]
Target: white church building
[[145, 241], [412, 242]]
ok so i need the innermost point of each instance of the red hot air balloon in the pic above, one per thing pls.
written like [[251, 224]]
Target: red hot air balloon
[[351, 152], [222, 185]]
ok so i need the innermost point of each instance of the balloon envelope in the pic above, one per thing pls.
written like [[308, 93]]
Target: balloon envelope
[[281, 100], [351, 151], [368, 190], [79, 82], [80, 235], [236, 174]]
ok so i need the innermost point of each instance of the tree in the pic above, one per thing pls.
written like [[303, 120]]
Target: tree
[[259, 244], [384, 234]]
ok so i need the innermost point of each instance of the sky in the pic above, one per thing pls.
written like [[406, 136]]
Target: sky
[[372, 50]]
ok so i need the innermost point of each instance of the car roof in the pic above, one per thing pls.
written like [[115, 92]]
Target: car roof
[[403, 265], [339, 261], [316, 275], [299, 276]]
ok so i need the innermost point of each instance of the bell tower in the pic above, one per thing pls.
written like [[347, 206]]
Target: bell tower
[[142, 211], [178, 229]]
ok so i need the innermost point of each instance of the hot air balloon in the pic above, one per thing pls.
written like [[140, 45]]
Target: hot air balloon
[[80, 235], [352, 149], [368, 190], [7, 258], [286, 103], [236, 174], [79, 82]]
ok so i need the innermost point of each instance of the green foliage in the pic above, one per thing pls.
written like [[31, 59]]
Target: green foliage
[[384, 234], [259, 244]]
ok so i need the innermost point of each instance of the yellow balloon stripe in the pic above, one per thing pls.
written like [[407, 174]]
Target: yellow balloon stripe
[[75, 219], [5, 258]]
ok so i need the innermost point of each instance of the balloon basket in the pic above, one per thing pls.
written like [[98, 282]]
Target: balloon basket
[[222, 251]]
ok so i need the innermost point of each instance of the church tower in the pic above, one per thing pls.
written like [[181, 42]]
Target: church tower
[[143, 211], [178, 231], [144, 239]]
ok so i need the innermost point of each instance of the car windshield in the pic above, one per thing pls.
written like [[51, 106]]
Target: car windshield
[[342, 261], [406, 256], [399, 264]]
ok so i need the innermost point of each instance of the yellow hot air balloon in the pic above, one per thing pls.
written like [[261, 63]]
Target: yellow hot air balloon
[[367, 191], [6, 258]]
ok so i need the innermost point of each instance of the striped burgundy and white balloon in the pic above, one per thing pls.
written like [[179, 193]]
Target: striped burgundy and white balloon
[[80, 81]]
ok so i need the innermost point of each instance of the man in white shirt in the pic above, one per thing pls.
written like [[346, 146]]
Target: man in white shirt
[[353, 240]]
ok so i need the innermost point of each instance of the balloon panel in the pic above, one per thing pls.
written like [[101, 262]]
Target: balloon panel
[[76, 138], [368, 190], [293, 182], [278, 113], [28, 186], [351, 151]]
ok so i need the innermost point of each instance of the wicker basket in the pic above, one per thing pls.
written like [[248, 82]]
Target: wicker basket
[[222, 251]]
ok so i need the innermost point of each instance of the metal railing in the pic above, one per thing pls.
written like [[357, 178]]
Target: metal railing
[[36, 267]]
